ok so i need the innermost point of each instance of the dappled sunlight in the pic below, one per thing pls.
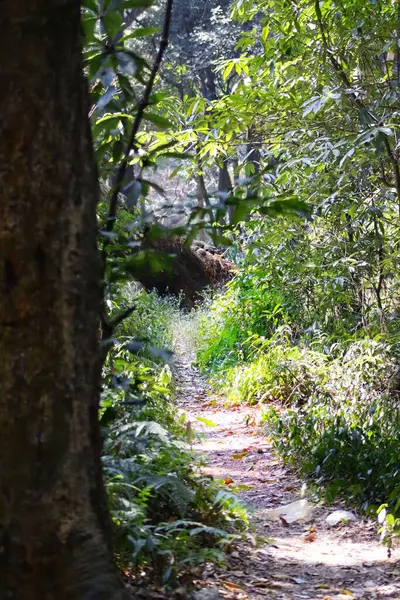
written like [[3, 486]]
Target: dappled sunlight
[[300, 559], [327, 549]]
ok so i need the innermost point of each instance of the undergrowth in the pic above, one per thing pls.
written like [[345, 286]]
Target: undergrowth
[[167, 515], [331, 396]]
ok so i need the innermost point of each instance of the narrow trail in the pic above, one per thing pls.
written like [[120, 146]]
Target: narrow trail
[[307, 559]]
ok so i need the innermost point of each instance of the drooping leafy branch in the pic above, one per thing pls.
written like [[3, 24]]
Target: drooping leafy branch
[[143, 104], [108, 325]]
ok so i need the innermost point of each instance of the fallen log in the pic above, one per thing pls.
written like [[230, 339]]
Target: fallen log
[[188, 270]]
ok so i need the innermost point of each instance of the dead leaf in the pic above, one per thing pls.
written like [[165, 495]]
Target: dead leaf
[[283, 521], [346, 592], [310, 537], [239, 455], [228, 480], [232, 586], [261, 584]]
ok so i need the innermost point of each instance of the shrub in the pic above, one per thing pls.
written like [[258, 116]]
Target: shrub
[[277, 370], [166, 514], [336, 412], [346, 435], [249, 306]]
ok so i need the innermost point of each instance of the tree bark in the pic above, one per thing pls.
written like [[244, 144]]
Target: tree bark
[[54, 523], [224, 189]]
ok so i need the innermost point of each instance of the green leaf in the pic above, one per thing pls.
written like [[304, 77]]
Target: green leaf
[[161, 122], [113, 23], [140, 32], [89, 29], [91, 5], [265, 33], [206, 421], [178, 155], [241, 211], [128, 4], [228, 70]]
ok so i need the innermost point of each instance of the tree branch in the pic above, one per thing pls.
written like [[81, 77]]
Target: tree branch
[[338, 68], [108, 326], [144, 103]]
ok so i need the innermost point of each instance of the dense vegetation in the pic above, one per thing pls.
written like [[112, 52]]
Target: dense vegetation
[[310, 326], [277, 123], [267, 129], [168, 515]]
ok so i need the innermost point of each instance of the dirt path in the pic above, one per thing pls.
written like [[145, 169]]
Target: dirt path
[[305, 559]]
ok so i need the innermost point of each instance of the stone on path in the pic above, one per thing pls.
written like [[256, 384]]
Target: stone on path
[[301, 510], [340, 516]]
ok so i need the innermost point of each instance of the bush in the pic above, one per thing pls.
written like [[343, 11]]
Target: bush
[[279, 371], [273, 338], [346, 435], [335, 411], [166, 514], [249, 306]]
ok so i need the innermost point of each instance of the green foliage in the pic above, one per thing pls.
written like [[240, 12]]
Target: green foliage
[[297, 105], [166, 513], [346, 434], [279, 372], [330, 375], [153, 321], [248, 307]]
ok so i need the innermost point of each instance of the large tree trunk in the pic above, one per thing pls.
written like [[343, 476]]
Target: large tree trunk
[[53, 514]]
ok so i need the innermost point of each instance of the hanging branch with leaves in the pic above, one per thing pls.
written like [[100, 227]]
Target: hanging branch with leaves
[[109, 325]]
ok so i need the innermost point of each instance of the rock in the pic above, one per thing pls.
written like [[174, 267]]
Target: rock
[[340, 516], [301, 510], [210, 593]]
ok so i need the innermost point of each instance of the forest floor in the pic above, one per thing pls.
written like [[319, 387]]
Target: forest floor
[[280, 560]]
